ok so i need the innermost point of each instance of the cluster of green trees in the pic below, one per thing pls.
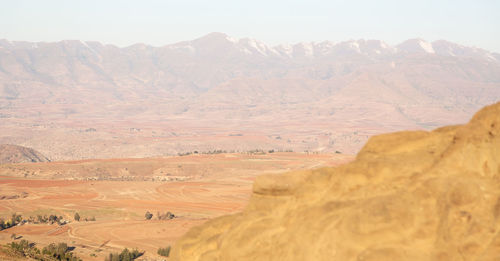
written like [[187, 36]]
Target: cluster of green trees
[[14, 220], [51, 219], [164, 251], [39, 219], [22, 246], [60, 251], [125, 255], [63, 252]]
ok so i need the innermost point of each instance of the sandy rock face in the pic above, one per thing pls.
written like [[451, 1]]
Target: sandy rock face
[[408, 196]]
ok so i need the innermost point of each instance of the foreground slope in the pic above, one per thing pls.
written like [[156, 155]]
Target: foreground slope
[[408, 196]]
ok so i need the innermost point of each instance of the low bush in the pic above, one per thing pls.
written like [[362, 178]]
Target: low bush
[[60, 251], [125, 255], [164, 251], [148, 215], [165, 216]]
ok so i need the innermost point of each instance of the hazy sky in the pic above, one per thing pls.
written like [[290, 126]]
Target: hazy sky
[[155, 22]]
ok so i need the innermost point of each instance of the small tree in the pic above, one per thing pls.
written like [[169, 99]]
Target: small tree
[[164, 251], [77, 216], [125, 255], [52, 219]]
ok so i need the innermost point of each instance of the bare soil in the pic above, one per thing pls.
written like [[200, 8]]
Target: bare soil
[[206, 186]]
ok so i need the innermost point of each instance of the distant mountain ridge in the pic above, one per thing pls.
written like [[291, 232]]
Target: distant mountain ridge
[[251, 46], [218, 82]]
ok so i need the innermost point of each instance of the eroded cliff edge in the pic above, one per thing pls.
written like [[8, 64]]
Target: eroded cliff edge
[[411, 195]]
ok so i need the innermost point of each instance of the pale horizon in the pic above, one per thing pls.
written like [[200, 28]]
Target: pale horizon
[[239, 38], [159, 23]]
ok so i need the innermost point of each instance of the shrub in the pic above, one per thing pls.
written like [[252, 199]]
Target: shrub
[[125, 255], [77, 216], [164, 251], [21, 247], [25, 248], [168, 215], [60, 251], [14, 220], [148, 215]]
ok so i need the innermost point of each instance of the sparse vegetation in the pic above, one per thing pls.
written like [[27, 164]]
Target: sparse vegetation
[[256, 152], [24, 248], [219, 151], [17, 219], [14, 220], [60, 251], [125, 255], [164, 251], [166, 216], [148, 215]]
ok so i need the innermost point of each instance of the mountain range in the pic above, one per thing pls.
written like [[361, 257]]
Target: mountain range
[[76, 99]]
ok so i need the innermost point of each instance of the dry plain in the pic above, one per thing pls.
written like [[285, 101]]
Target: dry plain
[[119, 192]]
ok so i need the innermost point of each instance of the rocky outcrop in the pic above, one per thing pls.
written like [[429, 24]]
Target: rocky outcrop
[[19, 154], [412, 195]]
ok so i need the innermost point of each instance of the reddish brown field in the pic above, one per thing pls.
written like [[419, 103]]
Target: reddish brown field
[[207, 186]]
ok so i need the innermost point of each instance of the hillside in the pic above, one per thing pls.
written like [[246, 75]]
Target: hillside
[[79, 100], [18, 154], [411, 195]]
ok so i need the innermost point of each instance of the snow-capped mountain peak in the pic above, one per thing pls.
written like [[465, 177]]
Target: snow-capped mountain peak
[[416, 46], [220, 44]]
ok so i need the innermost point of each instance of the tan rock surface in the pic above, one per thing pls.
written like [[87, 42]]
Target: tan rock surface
[[407, 196]]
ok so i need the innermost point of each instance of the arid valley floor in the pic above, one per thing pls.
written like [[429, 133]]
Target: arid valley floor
[[195, 188]]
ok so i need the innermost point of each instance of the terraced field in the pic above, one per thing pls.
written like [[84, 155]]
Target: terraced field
[[195, 188]]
